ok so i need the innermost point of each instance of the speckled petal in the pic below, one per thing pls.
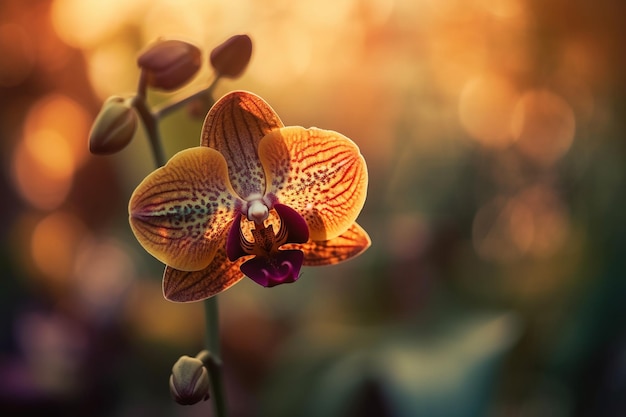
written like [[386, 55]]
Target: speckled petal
[[348, 245], [188, 286], [234, 126], [319, 173], [180, 211]]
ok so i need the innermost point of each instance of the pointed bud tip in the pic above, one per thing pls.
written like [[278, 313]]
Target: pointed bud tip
[[189, 382], [231, 58], [113, 128]]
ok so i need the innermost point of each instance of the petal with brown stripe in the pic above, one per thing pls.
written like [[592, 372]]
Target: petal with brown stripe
[[234, 126], [179, 212], [188, 286], [319, 173]]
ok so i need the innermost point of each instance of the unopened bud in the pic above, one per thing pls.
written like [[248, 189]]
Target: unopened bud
[[114, 127], [170, 64], [231, 57], [189, 382]]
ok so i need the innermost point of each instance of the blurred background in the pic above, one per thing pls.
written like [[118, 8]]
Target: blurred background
[[494, 136]]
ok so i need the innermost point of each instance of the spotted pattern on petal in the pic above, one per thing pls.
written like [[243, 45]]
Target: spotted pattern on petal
[[188, 286], [234, 127], [179, 211], [319, 173]]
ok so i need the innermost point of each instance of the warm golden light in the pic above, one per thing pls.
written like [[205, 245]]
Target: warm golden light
[[51, 152], [51, 149], [181, 19], [455, 56], [495, 140], [59, 116], [18, 54], [376, 12], [486, 109], [43, 185], [296, 46], [85, 23], [502, 8], [112, 68]]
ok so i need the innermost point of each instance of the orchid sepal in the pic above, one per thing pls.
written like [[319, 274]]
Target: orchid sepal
[[179, 211], [321, 174]]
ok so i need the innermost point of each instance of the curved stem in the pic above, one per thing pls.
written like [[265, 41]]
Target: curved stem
[[150, 122], [142, 85], [207, 92]]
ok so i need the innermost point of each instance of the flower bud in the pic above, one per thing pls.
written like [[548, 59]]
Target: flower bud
[[231, 57], [114, 127], [189, 382], [170, 64]]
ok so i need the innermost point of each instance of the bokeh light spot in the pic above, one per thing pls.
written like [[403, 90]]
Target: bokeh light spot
[[327, 13], [295, 45], [544, 125], [186, 21], [486, 109], [103, 272], [115, 60], [53, 146], [54, 348], [85, 23], [377, 12], [550, 218], [60, 115], [502, 8], [534, 222], [52, 152], [43, 185], [54, 242]]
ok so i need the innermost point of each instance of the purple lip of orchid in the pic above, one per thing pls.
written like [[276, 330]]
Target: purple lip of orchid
[[283, 267], [270, 266]]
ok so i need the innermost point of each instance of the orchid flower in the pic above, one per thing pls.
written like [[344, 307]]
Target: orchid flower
[[256, 199]]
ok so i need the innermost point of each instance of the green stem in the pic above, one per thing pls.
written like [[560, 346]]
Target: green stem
[[151, 124], [169, 107], [213, 345]]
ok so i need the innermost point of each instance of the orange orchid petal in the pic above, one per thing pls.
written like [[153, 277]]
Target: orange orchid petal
[[348, 245], [179, 212], [319, 173], [188, 286], [234, 126]]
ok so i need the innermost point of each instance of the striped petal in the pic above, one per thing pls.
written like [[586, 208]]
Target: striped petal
[[188, 286], [348, 245], [234, 126], [180, 211], [319, 173]]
